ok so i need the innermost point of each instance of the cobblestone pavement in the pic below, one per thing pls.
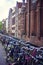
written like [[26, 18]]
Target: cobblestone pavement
[[2, 55]]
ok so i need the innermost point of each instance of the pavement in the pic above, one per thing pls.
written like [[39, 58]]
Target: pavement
[[2, 55]]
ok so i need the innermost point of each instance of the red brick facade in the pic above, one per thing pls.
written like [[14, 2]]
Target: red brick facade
[[34, 20], [30, 21]]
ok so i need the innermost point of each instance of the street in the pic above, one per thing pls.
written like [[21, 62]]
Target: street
[[2, 55]]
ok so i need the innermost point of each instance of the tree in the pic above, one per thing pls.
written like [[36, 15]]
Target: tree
[[0, 25]]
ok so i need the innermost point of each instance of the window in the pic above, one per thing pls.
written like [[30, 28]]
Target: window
[[13, 28], [19, 10], [33, 4], [33, 1], [13, 21]]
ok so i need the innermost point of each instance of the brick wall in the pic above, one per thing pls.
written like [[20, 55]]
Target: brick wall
[[35, 23]]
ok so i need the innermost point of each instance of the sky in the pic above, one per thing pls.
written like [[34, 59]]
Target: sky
[[5, 5]]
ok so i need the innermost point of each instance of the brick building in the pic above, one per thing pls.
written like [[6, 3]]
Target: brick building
[[13, 19], [35, 21], [10, 21], [18, 9], [29, 21], [22, 21], [13, 22]]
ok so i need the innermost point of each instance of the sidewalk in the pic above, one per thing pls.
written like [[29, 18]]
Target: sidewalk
[[2, 55]]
